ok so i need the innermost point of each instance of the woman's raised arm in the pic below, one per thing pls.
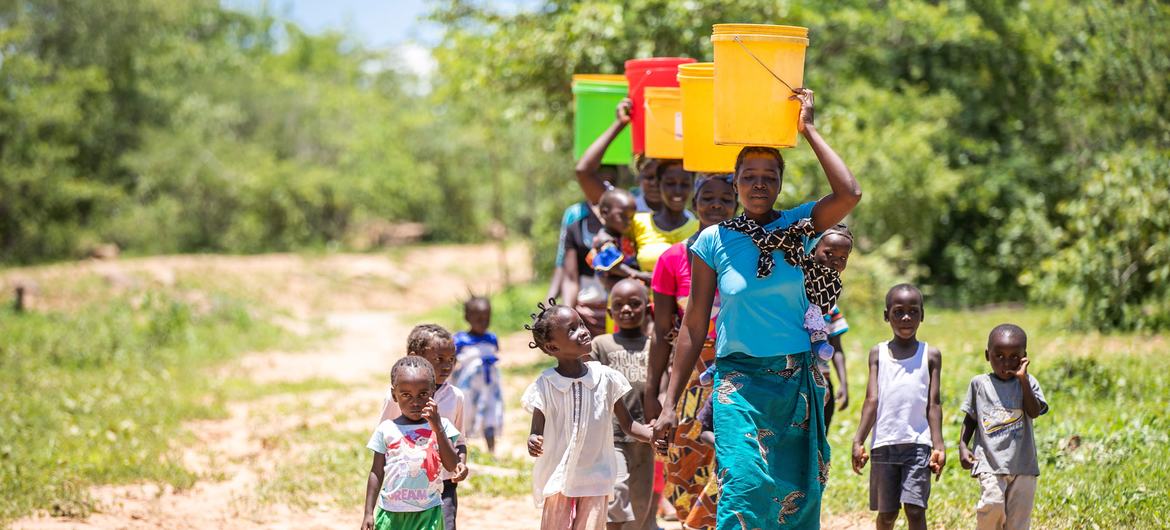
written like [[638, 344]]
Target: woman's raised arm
[[591, 184], [831, 208]]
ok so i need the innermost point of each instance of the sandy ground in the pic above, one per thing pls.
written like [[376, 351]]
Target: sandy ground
[[364, 300]]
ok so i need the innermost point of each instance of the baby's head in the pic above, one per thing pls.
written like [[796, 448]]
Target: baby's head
[[904, 310], [559, 332], [433, 343], [477, 311], [628, 304], [833, 248], [412, 384], [617, 207], [1007, 346]]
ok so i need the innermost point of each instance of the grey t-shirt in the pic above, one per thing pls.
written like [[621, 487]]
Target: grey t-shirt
[[630, 357], [1004, 443]]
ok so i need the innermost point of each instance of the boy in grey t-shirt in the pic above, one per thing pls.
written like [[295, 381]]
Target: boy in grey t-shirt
[[999, 409], [632, 504]]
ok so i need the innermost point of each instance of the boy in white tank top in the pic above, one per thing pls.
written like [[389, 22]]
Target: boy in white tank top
[[903, 409]]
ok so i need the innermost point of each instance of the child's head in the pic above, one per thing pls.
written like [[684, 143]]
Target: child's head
[[433, 343], [675, 184], [759, 175], [559, 332], [412, 384], [833, 248], [1007, 345], [714, 200], [627, 304], [904, 310], [477, 311], [648, 180], [617, 207]]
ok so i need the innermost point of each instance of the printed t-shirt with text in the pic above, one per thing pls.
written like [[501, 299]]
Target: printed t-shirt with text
[[412, 482]]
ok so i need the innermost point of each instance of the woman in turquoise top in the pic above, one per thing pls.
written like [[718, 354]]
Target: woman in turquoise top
[[770, 445]]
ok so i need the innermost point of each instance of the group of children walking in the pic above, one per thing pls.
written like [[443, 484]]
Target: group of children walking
[[445, 390], [593, 412]]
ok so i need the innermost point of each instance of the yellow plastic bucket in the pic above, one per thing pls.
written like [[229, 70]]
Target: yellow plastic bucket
[[700, 153], [757, 66], [664, 126]]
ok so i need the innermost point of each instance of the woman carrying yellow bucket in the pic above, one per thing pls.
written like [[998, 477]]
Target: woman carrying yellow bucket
[[771, 451]]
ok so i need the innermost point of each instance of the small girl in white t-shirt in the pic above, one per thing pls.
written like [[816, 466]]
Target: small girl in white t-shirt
[[576, 465]]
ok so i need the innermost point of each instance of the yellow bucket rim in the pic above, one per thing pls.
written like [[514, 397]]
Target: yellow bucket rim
[[760, 38], [616, 79], [759, 29], [696, 70], [662, 92]]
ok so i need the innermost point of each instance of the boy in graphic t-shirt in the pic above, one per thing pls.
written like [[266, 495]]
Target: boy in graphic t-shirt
[[999, 409]]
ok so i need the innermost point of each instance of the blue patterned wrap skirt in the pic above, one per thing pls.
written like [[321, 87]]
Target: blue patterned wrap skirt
[[772, 455]]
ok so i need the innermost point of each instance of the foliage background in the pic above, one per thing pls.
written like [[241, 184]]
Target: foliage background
[[1008, 150]]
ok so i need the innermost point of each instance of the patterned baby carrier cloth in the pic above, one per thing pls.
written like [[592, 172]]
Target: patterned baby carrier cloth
[[822, 284]]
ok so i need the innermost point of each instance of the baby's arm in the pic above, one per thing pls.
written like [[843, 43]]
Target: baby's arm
[[639, 431], [536, 434], [626, 271], [373, 485], [839, 365], [868, 414], [938, 453]]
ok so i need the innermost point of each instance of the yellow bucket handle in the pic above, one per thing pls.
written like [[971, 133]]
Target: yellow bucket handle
[[764, 66]]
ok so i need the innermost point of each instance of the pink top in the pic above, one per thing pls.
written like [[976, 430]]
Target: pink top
[[672, 277]]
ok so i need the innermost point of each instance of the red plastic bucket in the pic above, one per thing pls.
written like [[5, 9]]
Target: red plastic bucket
[[641, 73]]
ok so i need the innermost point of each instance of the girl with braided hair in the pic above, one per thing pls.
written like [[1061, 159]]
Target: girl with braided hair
[[770, 447], [573, 408]]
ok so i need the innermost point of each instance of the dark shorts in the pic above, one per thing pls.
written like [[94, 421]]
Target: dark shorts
[[899, 474], [450, 504]]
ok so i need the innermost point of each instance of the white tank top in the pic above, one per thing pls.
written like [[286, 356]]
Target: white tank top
[[903, 390]]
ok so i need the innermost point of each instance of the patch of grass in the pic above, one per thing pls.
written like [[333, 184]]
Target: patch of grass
[[510, 309], [497, 485], [332, 473], [243, 389], [530, 370], [476, 455], [1109, 392], [96, 394]]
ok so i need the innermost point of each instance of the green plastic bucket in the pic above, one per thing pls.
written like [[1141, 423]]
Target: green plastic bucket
[[596, 97]]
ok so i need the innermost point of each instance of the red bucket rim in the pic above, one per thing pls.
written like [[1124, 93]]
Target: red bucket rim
[[656, 62]]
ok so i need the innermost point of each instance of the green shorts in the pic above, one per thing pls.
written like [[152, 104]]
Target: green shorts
[[430, 519]]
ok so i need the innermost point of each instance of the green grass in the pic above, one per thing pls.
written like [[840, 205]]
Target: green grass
[[1110, 391], [329, 472], [96, 395], [510, 309]]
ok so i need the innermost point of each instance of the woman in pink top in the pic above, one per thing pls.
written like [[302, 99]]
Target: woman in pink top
[[689, 461]]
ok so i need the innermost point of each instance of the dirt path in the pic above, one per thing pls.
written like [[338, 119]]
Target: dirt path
[[364, 300]]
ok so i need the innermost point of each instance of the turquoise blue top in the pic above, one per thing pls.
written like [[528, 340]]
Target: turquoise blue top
[[761, 317]]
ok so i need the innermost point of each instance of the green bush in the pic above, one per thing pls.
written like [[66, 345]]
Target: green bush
[[1113, 271]]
